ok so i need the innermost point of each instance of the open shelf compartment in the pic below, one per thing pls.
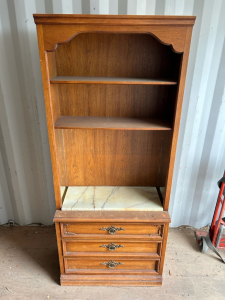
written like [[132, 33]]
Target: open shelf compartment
[[104, 198], [114, 100]]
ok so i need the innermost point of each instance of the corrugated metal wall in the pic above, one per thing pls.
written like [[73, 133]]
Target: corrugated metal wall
[[26, 188]]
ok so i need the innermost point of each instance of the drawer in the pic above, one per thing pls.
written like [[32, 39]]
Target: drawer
[[71, 247], [109, 264], [72, 229]]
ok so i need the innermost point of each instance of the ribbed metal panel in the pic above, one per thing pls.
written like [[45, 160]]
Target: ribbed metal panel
[[26, 188]]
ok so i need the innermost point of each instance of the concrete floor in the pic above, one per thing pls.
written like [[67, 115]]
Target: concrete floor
[[29, 270]]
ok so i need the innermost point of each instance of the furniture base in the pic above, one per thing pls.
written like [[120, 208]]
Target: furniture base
[[109, 280]]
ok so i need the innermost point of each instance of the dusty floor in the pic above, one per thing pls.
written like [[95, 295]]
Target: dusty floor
[[29, 270]]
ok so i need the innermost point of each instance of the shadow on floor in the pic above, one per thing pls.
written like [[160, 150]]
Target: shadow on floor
[[33, 247]]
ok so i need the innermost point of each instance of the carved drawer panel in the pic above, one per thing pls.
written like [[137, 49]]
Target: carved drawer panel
[[109, 229], [111, 264], [73, 247]]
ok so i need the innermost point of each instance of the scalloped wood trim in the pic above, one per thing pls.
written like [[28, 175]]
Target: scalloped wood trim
[[173, 36]]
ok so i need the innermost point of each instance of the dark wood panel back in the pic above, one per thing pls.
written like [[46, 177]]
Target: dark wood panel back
[[108, 157], [135, 101], [122, 55]]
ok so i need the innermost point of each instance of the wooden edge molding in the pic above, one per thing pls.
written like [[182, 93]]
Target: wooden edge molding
[[73, 19], [112, 216]]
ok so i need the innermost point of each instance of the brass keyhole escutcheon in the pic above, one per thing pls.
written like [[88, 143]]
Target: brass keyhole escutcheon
[[111, 264], [112, 246], [112, 229]]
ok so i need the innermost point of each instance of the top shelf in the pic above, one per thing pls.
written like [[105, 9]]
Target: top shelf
[[110, 80]]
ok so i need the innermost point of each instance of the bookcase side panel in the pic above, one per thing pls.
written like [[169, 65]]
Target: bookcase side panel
[[49, 113], [178, 109]]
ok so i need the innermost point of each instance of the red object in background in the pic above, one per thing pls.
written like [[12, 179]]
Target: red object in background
[[216, 228], [218, 223]]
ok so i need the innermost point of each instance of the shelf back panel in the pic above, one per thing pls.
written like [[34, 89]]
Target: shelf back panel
[[117, 55], [104, 157], [134, 101]]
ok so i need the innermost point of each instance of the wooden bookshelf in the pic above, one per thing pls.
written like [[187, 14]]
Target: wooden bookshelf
[[113, 88]]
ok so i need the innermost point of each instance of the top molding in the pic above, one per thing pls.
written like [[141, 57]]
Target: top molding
[[59, 29], [57, 19]]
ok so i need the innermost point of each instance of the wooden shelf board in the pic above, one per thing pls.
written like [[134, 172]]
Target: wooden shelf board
[[113, 216], [113, 198], [111, 123], [110, 80]]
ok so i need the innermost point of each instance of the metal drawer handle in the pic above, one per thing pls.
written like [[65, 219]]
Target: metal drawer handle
[[112, 246], [112, 229], [111, 264]]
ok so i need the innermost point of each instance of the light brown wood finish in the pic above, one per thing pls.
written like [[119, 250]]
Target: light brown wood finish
[[60, 251], [101, 55], [138, 237], [112, 280], [68, 229], [163, 248], [141, 101], [130, 72], [135, 101], [61, 157], [111, 123], [112, 216], [106, 19], [178, 109], [109, 80], [114, 157], [170, 30], [73, 247], [51, 116], [130, 264]]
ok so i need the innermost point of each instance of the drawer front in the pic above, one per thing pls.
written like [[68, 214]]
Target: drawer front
[[107, 263], [72, 229], [71, 247]]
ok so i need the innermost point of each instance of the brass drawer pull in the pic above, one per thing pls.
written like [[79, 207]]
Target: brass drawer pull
[[112, 264], [112, 229], [112, 246]]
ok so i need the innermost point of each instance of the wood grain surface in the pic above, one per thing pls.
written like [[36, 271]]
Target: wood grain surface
[[71, 247], [135, 101], [110, 80], [113, 157], [112, 216], [117, 55], [74, 229], [72, 265], [111, 123], [122, 70]]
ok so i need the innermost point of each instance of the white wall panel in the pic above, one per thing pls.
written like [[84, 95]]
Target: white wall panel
[[26, 188]]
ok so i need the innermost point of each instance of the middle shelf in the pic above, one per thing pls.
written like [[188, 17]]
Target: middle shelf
[[113, 123], [111, 80]]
